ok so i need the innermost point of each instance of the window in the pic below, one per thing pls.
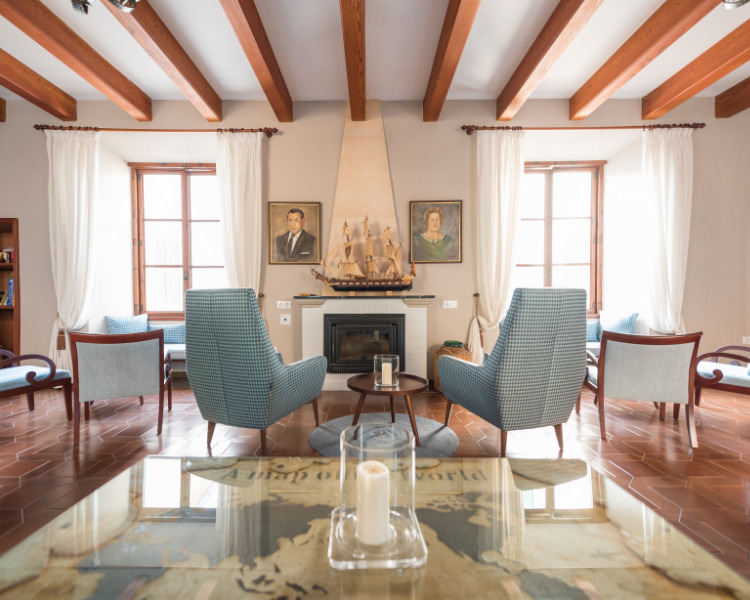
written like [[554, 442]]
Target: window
[[559, 235], [177, 241]]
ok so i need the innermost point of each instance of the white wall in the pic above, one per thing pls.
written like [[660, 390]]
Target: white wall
[[428, 161]]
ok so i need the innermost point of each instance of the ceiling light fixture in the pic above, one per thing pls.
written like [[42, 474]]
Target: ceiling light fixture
[[82, 6], [728, 4]]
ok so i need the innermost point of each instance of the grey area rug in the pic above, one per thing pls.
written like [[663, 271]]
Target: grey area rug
[[438, 441]]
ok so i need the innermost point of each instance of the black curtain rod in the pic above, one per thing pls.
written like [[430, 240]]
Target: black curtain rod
[[469, 129], [269, 131]]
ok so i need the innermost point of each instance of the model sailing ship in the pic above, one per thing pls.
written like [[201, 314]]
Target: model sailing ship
[[344, 269]]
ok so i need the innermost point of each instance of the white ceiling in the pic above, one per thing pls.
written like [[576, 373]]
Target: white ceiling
[[401, 39]]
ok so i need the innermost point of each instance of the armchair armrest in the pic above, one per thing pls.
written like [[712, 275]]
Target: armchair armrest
[[31, 375], [702, 380]]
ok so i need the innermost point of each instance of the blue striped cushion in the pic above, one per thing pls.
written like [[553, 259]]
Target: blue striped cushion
[[136, 324], [619, 324], [173, 334], [592, 331]]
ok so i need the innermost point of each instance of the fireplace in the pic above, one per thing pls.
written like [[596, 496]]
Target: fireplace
[[351, 341]]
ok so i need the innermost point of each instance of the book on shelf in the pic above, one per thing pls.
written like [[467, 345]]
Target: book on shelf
[[2, 298], [9, 295]]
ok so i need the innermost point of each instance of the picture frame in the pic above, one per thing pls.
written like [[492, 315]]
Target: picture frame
[[283, 218], [438, 241]]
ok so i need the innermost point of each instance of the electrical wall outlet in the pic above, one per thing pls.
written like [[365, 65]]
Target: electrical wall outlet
[[284, 304], [285, 319], [746, 340], [450, 303]]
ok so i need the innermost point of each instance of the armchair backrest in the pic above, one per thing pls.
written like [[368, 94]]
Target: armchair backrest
[[122, 365], [539, 359], [647, 367], [230, 360]]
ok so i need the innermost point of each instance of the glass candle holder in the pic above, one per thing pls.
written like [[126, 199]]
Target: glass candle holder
[[375, 525], [386, 370]]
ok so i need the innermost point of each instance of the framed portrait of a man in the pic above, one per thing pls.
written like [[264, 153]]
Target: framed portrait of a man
[[294, 232], [435, 233]]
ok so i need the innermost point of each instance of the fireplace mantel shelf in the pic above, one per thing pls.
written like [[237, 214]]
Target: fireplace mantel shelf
[[410, 300]]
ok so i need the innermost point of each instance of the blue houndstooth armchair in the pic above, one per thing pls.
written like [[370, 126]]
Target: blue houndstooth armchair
[[237, 377], [533, 376]]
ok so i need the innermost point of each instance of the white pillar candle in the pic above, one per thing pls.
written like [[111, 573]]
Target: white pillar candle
[[373, 503], [387, 372]]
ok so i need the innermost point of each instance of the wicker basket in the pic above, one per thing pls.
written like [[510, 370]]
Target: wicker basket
[[461, 353]]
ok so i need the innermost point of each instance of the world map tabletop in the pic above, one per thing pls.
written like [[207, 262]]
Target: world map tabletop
[[224, 528]]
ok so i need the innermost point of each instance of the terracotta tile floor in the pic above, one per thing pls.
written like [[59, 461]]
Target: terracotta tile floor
[[706, 492]]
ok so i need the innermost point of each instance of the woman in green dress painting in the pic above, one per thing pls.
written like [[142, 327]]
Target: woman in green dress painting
[[433, 244]]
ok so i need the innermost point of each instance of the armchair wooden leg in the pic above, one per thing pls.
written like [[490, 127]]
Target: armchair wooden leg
[[68, 395], [697, 396], [262, 442], [86, 410], [559, 434], [578, 404], [211, 427], [76, 422], [169, 392], [600, 402], [676, 412], [503, 442], [315, 412], [690, 422], [662, 410], [140, 400], [30, 401], [161, 413], [448, 409]]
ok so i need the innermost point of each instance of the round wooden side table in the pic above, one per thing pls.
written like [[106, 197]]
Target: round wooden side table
[[407, 385]]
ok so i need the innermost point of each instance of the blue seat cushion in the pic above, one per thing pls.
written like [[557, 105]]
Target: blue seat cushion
[[15, 377], [136, 324], [732, 374], [173, 334], [619, 324]]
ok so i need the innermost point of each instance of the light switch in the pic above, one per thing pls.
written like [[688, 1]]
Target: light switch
[[450, 303]]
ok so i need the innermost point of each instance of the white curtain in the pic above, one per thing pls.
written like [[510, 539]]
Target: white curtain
[[238, 169], [73, 181], [499, 172], [668, 185]]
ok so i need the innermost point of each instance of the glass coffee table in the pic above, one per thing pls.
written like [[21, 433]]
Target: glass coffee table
[[226, 528], [407, 385]]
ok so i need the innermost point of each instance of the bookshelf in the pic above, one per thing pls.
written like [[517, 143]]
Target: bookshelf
[[10, 316]]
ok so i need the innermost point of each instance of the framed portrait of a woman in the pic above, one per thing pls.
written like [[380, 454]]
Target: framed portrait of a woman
[[435, 231]]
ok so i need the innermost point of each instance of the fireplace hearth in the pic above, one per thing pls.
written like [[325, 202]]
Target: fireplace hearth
[[352, 340]]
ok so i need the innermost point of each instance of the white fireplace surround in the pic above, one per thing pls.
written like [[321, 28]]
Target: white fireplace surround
[[414, 308]]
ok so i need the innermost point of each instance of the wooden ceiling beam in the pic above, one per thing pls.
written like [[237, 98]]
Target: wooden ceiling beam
[[153, 35], [670, 21], [561, 28], [719, 60], [245, 20], [44, 27], [459, 19], [353, 28], [733, 101], [31, 86]]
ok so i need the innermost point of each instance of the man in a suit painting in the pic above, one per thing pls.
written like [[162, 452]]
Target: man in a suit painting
[[297, 245]]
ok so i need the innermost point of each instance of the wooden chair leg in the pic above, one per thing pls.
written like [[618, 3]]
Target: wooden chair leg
[[315, 412], [503, 442], [662, 410], [698, 396], [676, 412], [140, 399], [602, 429], [68, 395], [393, 410], [76, 422], [86, 413], [262, 442], [211, 427], [169, 393], [448, 409], [161, 412], [578, 404], [690, 422], [559, 434], [30, 401]]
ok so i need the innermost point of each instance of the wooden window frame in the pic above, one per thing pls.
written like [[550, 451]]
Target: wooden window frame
[[596, 168], [137, 170]]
